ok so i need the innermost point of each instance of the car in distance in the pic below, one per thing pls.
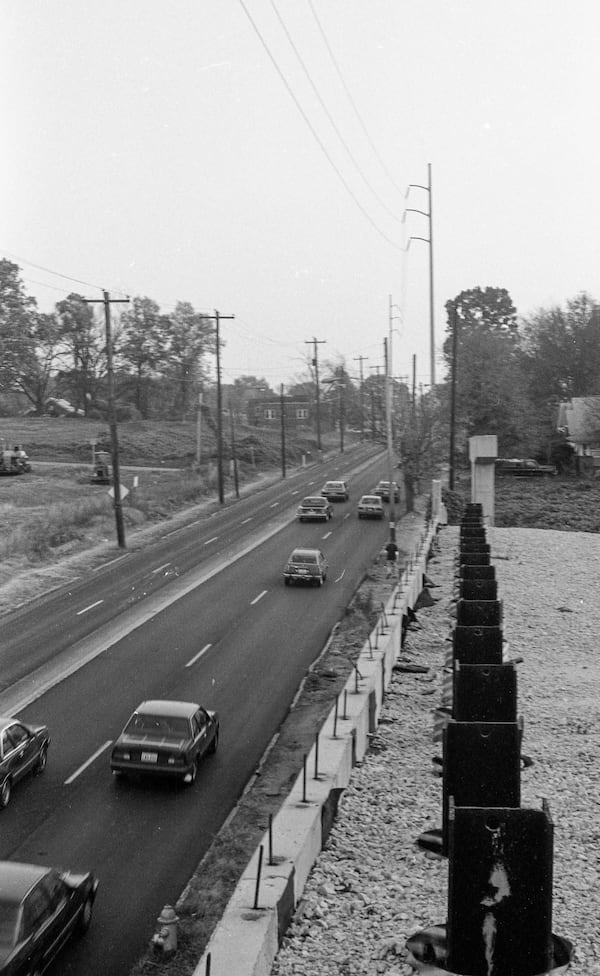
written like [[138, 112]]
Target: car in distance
[[336, 491], [166, 738], [41, 908], [383, 490], [306, 566], [524, 468], [370, 506], [314, 507], [23, 749]]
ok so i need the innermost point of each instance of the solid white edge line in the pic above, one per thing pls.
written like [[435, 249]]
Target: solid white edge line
[[91, 607], [197, 656], [259, 597], [88, 762]]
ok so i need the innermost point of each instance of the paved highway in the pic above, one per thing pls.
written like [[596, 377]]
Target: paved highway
[[183, 619]]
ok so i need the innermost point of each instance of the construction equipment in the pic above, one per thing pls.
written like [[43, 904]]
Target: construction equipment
[[101, 469], [13, 460]]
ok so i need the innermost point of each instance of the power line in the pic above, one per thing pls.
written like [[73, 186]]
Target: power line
[[351, 100], [314, 132], [40, 267], [330, 117]]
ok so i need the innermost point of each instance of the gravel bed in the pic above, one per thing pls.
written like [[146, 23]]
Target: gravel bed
[[373, 887]]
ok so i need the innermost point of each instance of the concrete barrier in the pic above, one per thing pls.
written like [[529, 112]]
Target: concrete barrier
[[247, 938]]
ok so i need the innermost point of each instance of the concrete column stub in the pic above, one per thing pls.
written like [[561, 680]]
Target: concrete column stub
[[483, 451]]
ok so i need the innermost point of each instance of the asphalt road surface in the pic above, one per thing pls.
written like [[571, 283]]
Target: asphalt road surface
[[201, 615]]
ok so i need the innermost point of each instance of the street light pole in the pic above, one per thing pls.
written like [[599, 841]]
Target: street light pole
[[453, 398], [217, 319]]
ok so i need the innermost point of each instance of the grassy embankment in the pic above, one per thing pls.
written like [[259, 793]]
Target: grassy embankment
[[54, 507]]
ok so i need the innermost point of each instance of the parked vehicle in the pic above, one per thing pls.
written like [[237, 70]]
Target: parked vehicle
[[524, 468], [41, 908], [370, 506], [166, 738], [336, 491], [306, 566], [383, 489], [14, 461], [23, 750], [314, 507]]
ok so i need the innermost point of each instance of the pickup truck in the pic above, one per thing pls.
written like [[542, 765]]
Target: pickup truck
[[524, 467]]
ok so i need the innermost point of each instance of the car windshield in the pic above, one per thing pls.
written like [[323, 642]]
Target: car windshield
[[303, 557], [163, 725], [314, 502], [371, 499], [9, 918]]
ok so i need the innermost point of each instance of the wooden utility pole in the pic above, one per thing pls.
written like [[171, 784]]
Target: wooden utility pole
[[282, 411], [315, 361], [107, 301], [360, 359], [217, 319]]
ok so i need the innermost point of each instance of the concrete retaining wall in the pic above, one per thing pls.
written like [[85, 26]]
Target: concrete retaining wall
[[246, 940]]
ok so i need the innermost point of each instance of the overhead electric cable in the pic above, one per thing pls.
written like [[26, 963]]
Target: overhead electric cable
[[351, 100], [40, 267], [360, 172], [315, 134]]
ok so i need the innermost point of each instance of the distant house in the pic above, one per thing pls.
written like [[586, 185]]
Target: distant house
[[266, 411], [579, 421]]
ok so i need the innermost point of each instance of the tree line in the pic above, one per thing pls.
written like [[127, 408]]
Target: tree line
[[507, 374]]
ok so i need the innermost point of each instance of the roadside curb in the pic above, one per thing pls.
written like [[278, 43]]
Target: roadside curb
[[247, 938]]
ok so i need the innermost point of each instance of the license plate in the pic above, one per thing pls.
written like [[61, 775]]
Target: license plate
[[149, 757]]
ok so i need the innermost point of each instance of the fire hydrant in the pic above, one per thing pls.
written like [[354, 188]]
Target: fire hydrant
[[164, 940]]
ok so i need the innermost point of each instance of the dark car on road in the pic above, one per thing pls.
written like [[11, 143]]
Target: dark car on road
[[314, 508], [524, 468], [166, 738], [336, 491], [306, 566], [383, 490], [23, 750], [41, 908]]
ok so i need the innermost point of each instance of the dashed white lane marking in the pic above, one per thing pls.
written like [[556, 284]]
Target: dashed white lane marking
[[249, 519], [91, 607], [295, 492], [347, 515], [88, 762], [340, 577], [259, 597], [326, 536], [197, 656], [214, 539], [111, 563], [274, 505], [160, 568]]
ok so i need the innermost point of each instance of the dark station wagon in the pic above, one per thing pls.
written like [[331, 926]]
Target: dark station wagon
[[23, 750], [166, 738], [307, 566], [41, 908]]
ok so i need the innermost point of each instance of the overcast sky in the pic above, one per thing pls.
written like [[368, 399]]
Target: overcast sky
[[253, 156]]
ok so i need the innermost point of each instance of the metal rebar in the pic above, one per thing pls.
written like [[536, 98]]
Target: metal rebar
[[271, 839], [258, 873], [304, 779], [335, 717], [316, 775], [344, 716], [208, 962]]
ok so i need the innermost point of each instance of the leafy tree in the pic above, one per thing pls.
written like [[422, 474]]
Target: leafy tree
[[488, 376], [562, 351], [143, 347], [84, 354], [192, 338], [28, 340]]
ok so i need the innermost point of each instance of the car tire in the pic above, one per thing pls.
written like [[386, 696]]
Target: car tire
[[193, 773], [85, 918], [321, 580], [5, 791], [214, 744], [42, 760]]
